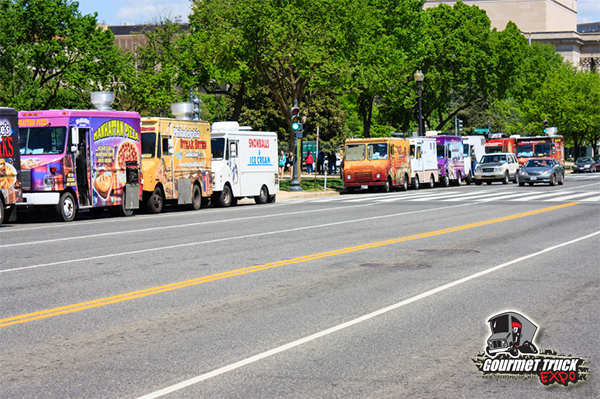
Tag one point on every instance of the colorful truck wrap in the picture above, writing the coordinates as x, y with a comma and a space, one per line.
10, 164
541, 147
376, 162
450, 157
498, 145
176, 162
81, 159
244, 164
423, 161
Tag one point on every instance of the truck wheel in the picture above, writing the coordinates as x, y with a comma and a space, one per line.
156, 201
469, 178
431, 181
458, 179
415, 183
386, 186
263, 196
1, 210
444, 181
516, 180
505, 179
226, 197
120, 210
196, 198
404, 185
66, 209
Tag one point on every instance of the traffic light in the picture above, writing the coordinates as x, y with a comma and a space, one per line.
296, 125
545, 125
195, 100
459, 124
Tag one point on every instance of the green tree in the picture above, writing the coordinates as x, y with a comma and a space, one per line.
51, 55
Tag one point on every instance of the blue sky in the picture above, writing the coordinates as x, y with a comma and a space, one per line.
118, 12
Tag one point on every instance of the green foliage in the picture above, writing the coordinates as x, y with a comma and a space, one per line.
308, 184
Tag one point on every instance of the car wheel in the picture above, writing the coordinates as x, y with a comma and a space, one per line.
531, 184
561, 179
521, 183
553, 180
155, 202
263, 196
489, 183
505, 179
431, 181
516, 179
478, 182
66, 209
415, 183
196, 198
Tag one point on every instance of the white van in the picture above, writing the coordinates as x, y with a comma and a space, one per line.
244, 164
474, 146
423, 162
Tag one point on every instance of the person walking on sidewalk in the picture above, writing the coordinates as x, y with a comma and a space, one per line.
309, 163
320, 161
281, 164
289, 163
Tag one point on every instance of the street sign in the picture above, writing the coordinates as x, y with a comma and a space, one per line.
478, 131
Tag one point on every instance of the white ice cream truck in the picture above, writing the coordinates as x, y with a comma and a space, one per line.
244, 164
423, 162
474, 149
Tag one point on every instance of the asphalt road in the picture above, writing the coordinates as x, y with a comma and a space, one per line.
362, 295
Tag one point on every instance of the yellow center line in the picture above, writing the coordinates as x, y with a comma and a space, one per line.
238, 272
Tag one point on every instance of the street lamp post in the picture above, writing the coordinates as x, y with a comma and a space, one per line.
419, 79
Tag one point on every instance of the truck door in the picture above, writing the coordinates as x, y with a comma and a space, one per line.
234, 166
82, 165
167, 162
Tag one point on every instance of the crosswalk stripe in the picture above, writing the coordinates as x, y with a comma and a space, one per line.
591, 199
504, 197
567, 197
418, 197
474, 197
539, 196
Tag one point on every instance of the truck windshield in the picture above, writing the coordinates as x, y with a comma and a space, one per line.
355, 152
217, 148
378, 151
148, 145
542, 150
441, 153
524, 150
500, 324
42, 140
493, 150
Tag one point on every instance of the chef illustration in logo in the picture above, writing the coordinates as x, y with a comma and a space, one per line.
511, 333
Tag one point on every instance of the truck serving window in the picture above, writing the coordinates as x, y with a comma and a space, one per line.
42, 140
378, 151
217, 148
148, 145
441, 153
355, 152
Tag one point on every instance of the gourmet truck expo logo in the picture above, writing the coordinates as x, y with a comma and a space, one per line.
510, 352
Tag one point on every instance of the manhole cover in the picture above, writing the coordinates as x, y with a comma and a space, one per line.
449, 251
395, 265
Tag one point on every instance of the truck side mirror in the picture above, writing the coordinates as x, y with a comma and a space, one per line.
74, 135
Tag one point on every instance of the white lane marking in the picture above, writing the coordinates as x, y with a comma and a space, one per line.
226, 239
568, 197
539, 196
350, 323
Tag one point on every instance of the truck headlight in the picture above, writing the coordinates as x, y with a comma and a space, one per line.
348, 177
48, 181
378, 176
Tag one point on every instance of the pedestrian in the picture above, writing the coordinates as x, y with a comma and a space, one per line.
309, 162
290, 164
282, 160
332, 161
320, 161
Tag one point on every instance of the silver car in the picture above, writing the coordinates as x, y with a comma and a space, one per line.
502, 166
542, 170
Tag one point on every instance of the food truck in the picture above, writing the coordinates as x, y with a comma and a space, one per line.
474, 149
511, 333
244, 164
541, 147
450, 159
423, 161
10, 164
176, 163
376, 162
500, 144
81, 159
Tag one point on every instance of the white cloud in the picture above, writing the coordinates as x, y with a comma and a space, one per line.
147, 11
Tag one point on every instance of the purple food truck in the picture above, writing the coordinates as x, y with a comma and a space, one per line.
81, 159
10, 166
450, 160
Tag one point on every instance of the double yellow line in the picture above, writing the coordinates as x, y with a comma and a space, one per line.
238, 272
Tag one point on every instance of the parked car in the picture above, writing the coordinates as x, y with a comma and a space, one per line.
585, 165
597, 163
542, 170
502, 166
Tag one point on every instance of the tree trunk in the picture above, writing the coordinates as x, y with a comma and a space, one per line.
365, 103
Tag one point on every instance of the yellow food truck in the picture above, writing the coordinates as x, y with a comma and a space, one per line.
176, 162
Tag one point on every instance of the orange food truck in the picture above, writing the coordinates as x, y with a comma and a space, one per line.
176, 162
541, 147
10, 164
382, 162
501, 144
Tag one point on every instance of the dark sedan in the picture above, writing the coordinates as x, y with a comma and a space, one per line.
584, 164
542, 170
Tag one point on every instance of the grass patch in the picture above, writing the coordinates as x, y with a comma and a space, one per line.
308, 184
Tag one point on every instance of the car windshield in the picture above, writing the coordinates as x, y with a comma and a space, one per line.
42, 140
584, 160
217, 148
148, 145
355, 152
493, 158
500, 324
377, 151
538, 163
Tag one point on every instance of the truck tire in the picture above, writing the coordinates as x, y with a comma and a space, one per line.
469, 178
386, 187
155, 201
431, 181
505, 179
66, 209
415, 183
120, 210
263, 196
444, 181
1, 210
404, 185
224, 199
458, 178
196, 198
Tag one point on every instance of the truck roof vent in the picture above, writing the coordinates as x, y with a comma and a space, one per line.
182, 111
102, 100
225, 126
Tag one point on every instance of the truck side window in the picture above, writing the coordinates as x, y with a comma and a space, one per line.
159, 149
165, 144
